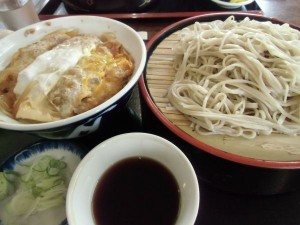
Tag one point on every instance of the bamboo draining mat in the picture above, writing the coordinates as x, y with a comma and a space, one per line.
160, 75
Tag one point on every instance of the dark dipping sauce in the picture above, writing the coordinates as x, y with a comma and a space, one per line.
136, 191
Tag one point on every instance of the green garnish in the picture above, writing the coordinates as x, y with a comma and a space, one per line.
41, 186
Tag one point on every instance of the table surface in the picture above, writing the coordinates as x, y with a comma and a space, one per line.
216, 205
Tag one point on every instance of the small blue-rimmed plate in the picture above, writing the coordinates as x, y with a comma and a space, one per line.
72, 155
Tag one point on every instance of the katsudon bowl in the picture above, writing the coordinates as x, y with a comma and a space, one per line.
266, 164
87, 121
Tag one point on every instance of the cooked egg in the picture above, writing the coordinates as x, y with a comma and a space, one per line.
47, 68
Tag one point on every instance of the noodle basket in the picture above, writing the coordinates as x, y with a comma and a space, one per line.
265, 164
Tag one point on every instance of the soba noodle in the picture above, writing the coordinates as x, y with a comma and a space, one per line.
238, 78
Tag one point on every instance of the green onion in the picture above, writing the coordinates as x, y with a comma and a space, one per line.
41, 186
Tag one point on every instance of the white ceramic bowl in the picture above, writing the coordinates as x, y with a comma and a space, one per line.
231, 5
107, 153
88, 121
